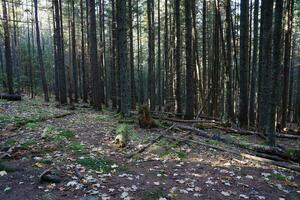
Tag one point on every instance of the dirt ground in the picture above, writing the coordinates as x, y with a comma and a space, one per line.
78, 149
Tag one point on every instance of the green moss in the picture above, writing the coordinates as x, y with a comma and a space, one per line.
57, 134
21, 121
181, 154
102, 164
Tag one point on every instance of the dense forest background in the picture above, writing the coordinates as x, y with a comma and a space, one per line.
238, 61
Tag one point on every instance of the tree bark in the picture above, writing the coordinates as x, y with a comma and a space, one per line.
96, 76
189, 108
40, 53
244, 63
8, 59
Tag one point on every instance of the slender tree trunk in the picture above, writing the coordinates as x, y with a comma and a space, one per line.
74, 64
83, 64
178, 57
204, 51
131, 57
189, 108
40, 53
8, 59
159, 85
113, 58
229, 109
244, 63
252, 115
151, 54
275, 72
287, 54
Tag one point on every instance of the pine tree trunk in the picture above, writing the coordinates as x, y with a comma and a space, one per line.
8, 59
131, 57
178, 57
189, 107
83, 64
266, 34
287, 55
244, 63
74, 64
252, 116
151, 54
95, 69
40, 54
122, 56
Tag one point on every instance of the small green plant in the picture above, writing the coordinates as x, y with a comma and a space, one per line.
28, 143
21, 121
181, 154
57, 134
10, 142
102, 164
279, 177
122, 129
103, 118
32, 125
77, 147
152, 194
48, 196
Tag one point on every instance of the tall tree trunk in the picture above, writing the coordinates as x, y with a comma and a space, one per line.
151, 54
83, 64
204, 51
96, 76
74, 64
159, 85
60, 55
122, 56
287, 54
131, 57
40, 53
229, 110
8, 59
244, 63
178, 56
189, 107
113, 58
265, 69
252, 115
275, 72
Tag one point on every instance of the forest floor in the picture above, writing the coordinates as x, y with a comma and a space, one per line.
77, 147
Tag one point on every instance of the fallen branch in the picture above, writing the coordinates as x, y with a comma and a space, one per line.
11, 97
257, 157
253, 147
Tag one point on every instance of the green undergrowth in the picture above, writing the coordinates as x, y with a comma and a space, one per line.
57, 134
165, 148
101, 164
129, 130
